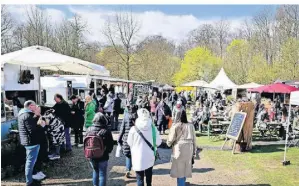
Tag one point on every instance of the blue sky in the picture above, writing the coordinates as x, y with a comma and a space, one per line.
200, 11
171, 21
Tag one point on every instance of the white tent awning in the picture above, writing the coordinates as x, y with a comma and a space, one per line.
46, 59
196, 83
221, 82
294, 99
248, 86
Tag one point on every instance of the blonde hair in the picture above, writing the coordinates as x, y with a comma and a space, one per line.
88, 99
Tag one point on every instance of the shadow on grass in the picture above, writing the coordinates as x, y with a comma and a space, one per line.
267, 148
194, 170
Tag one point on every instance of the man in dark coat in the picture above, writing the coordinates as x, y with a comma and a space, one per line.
63, 111
77, 111
162, 115
29, 137
16, 101
116, 112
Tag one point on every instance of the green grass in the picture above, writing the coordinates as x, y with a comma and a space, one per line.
204, 140
263, 165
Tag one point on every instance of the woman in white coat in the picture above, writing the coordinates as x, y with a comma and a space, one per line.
142, 154
182, 139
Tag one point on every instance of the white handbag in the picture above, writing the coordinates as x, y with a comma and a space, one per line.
118, 151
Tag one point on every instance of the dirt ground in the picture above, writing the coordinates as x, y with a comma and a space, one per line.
74, 169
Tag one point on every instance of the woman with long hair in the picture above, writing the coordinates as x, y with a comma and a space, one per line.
182, 139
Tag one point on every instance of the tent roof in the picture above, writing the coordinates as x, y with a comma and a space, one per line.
196, 83
46, 59
248, 86
221, 81
52, 81
275, 88
294, 99
167, 87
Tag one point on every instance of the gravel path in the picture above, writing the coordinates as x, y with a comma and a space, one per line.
74, 169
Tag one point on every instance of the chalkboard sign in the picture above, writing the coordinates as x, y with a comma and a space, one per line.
236, 125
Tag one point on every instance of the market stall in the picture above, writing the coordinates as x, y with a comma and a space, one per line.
276, 89
240, 91
21, 77
221, 82
198, 84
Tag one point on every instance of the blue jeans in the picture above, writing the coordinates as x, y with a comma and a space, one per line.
31, 157
99, 174
67, 138
128, 164
148, 176
181, 181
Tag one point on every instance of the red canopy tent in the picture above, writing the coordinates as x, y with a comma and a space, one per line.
275, 88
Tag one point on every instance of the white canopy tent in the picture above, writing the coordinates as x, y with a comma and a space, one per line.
248, 86
46, 59
221, 82
294, 100
196, 83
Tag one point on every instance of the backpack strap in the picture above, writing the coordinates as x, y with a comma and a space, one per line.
146, 141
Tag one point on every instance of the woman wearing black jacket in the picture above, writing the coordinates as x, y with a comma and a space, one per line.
128, 122
99, 166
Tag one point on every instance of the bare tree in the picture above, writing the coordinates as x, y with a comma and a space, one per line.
121, 33
265, 28
222, 29
203, 36
78, 27
6, 21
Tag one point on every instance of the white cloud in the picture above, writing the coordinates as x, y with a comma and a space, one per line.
19, 13
174, 27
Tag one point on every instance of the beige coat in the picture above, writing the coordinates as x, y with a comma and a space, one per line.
182, 138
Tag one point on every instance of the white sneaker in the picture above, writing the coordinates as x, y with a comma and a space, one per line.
80, 145
56, 157
41, 174
37, 177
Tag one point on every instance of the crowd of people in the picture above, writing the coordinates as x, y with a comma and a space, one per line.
140, 133
46, 136
275, 111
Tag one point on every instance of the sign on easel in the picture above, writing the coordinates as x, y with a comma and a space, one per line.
235, 128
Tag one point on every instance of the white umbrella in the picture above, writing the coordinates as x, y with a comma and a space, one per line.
248, 86
196, 83
46, 59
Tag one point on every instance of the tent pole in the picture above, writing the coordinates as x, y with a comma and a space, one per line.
287, 134
284, 98
95, 87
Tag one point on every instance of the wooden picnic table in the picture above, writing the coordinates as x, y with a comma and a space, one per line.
273, 127
220, 124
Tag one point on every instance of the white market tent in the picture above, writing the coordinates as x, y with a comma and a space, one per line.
46, 59
167, 87
196, 83
221, 82
248, 86
294, 100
